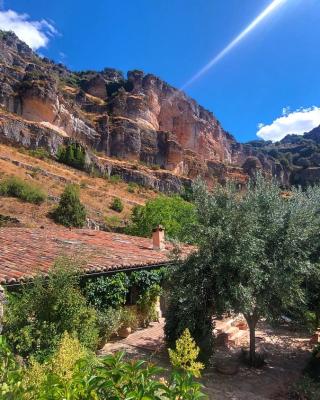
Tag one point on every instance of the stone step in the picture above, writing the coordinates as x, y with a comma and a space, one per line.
232, 330
236, 338
223, 325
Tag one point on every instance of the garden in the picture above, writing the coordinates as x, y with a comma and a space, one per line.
257, 256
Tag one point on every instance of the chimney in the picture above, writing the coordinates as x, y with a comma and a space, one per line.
158, 238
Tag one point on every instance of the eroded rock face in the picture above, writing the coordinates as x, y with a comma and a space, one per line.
140, 119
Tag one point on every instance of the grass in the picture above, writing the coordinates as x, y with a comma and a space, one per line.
16, 187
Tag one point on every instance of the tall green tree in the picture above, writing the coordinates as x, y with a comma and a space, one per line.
255, 248
175, 214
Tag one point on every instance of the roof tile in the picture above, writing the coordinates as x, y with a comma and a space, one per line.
26, 252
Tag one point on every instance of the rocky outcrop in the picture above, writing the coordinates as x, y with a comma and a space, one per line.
139, 119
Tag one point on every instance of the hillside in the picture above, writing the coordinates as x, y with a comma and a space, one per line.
298, 155
96, 193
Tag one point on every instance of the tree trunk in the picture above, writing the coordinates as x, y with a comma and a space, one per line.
317, 313
252, 320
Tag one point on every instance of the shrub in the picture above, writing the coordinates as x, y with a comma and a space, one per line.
107, 291
10, 373
113, 221
37, 317
109, 377
73, 154
115, 179
16, 187
129, 318
40, 153
70, 211
117, 205
132, 187
110, 321
68, 353
185, 355
175, 214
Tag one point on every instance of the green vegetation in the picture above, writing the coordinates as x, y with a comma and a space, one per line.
114, 222
70, 211
108, 295
26, 191
255, 253
132, 187
73, 373
107, 291
39, 152
295, 153
175, 214
115, 178
117, 205
73, 154
185, 355
37, 317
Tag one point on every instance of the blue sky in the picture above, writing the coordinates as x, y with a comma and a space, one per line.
272, 77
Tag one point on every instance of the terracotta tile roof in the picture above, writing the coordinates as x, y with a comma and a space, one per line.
26, 252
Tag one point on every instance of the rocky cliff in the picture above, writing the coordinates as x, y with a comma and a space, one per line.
164, 135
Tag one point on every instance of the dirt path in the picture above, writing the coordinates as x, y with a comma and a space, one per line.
287, 355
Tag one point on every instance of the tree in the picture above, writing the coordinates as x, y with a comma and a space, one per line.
175, 214
255, 249
73, 154
70, 211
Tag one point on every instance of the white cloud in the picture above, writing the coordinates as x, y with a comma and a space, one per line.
298, 122
35, 33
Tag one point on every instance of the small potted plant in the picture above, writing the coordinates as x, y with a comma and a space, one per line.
129, 322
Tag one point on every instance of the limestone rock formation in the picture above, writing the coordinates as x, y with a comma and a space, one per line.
139, 119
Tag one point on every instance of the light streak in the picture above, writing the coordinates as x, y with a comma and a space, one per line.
275, 4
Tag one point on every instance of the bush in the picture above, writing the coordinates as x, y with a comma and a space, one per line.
40, 153
68, 375
185, 355
16, 187
10, 373
73, 154
115, 179
117, 205
129, 318
37, 317
113, 221
175, 214
70, 212
132, 187
107, 291
110, 321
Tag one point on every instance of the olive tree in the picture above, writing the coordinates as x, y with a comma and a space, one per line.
255, 247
